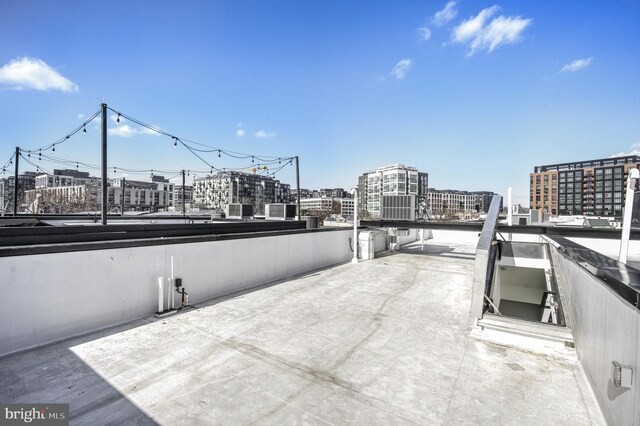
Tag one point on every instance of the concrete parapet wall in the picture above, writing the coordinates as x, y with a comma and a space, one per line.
59, 295
606, 328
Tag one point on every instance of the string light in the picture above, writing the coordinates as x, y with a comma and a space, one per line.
260, 162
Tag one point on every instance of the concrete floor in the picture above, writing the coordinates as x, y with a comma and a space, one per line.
381, 342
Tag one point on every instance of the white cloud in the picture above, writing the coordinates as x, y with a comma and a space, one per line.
263, 134
479, 34
124, 131
576, 65
32, 73
81, 116
401, 69
240, 133
472, 28
634, 149
425, 34
445, 15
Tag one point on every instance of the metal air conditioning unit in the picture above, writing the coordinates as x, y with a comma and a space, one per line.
240, 211
280, 211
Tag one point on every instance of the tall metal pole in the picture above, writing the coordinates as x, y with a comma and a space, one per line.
633, 176
124, 185
298, 185
15, 183
355, 225
104, 164
184, 208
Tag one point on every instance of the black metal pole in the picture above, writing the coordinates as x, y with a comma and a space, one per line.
104, 164
298, 184
184, 208
15, 183
124, 185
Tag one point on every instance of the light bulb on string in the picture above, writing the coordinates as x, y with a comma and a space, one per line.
118, 119
151, 174
54, 148
252, 159
84, 129
218, 153
175, 142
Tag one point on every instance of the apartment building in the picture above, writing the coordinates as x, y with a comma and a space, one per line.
395, 179
593, 187
224, 188
451, 201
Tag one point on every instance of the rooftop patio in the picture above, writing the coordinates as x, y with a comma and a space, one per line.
380, 342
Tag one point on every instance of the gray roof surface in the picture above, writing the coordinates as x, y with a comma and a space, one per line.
380, 342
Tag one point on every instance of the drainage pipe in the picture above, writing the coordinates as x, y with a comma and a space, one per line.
173, 295
160, 294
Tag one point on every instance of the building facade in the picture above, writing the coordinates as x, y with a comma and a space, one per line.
396, 179
450, 201
224, 188
26, 182
137, 195
67, 191
188, 195
592, 188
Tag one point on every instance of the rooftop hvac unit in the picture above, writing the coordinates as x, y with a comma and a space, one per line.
280, 211
240, 211
398, 207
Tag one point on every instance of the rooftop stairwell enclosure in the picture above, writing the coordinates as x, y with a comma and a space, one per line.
555, 295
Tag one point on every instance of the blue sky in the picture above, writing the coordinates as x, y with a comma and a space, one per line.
475, 93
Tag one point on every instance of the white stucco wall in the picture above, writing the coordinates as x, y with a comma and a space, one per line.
54, 296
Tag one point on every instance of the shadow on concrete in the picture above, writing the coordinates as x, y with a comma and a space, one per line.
437, 250
54, 374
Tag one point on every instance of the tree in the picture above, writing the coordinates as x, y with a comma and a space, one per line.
364, 215
322, 214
